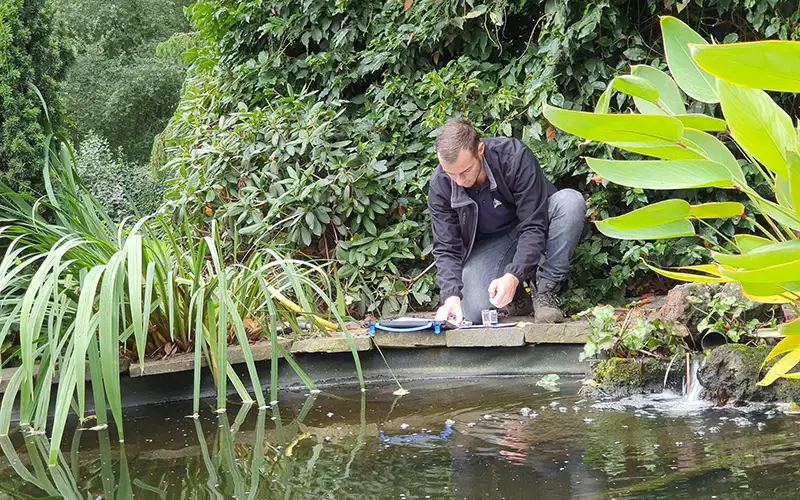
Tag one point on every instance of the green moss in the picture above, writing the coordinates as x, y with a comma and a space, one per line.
617, 372
753, 356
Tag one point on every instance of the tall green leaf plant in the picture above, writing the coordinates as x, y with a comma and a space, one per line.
687, 153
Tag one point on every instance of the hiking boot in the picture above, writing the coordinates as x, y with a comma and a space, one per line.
521, 304
545, 303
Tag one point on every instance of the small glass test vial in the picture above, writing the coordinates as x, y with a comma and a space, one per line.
489, 317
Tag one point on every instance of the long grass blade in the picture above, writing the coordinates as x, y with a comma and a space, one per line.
134, 258
77, 365
198, 299
109, 313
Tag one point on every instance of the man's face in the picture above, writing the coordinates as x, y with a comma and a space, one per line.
467, 169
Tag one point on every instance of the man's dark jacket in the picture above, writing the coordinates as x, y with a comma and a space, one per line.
515, 179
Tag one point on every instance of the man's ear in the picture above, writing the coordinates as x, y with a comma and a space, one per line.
481, 147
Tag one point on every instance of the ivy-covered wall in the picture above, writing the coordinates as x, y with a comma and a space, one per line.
313, 121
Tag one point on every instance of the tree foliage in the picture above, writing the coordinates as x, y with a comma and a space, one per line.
119, 87
318, 117
32, 54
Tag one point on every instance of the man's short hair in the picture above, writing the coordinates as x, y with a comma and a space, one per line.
454, 137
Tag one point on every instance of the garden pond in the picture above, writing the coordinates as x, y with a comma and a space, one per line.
488, 438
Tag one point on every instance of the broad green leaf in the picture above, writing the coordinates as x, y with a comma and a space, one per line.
791, 328
790, 343
651, 215
748, 242
667, 174
781, 367
687, 74
663, 150
636, 86
768, 65
782, 193
674, 229
717, 210
615, 127
782, 215
772, 274
793, 167
702, 122
711, 269
670, 98
762, 257
690, 277
604, 101
768, 293
713, 149
759, 125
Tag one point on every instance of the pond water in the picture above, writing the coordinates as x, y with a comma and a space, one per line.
490, 438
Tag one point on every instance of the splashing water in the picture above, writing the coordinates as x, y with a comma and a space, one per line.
695, 388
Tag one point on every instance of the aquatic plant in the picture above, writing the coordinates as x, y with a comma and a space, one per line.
79, 291
689, 157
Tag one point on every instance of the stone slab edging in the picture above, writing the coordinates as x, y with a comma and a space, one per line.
7, 373
523, 333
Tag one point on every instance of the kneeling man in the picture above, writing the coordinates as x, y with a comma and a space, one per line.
498, 222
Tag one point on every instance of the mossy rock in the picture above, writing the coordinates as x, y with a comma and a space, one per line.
731, 373
621, 377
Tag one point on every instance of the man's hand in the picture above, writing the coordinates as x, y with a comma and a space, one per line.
502, 290
451, 309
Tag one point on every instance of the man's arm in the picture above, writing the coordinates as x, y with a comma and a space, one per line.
448, 247
527, 184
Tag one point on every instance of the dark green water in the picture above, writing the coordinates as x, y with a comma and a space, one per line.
375, 445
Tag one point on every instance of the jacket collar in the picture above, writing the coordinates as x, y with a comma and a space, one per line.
459, 196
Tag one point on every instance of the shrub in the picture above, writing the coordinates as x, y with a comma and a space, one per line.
122, 188
321, 114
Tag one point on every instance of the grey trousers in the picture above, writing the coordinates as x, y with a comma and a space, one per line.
566, 213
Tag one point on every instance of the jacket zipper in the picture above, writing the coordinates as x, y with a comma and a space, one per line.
474, 229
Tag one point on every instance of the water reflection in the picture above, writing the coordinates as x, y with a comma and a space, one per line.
487, 439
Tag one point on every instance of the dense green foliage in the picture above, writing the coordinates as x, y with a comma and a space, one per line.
321, 114
119, 87
123, 188
31, 53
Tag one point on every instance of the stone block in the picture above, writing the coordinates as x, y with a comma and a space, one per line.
414, 339
331, 344
564, 333
261, 350
486, 337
